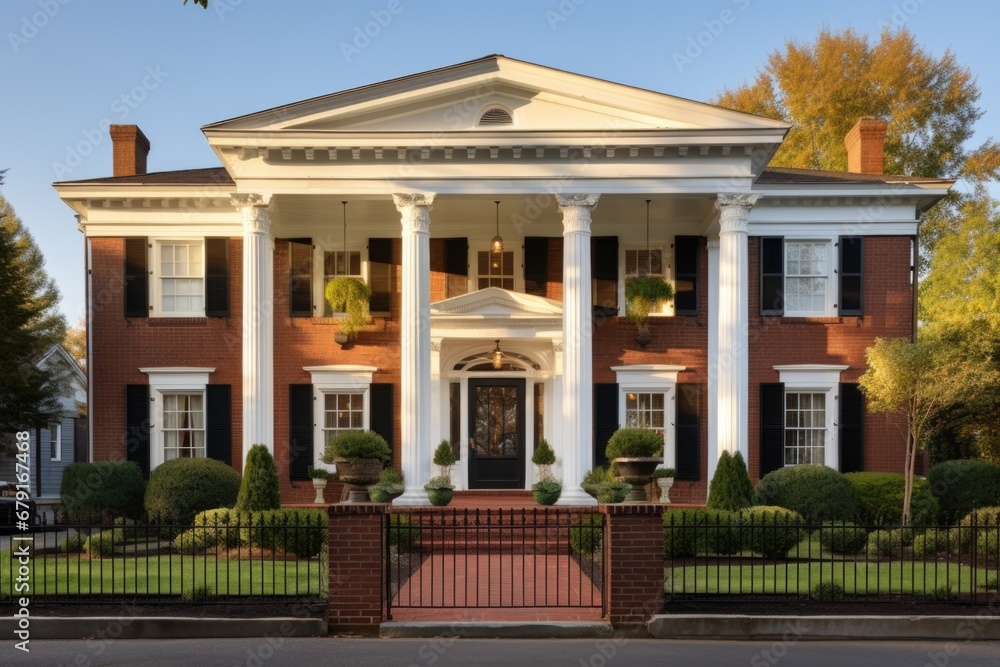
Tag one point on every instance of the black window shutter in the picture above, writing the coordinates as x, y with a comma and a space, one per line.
605, 419
300, 436
686, 252
380, 261
851, 431
536, 265
772, 426
217, 277
137, 425
219, 423
772, 275
688, 432
604, 273
300, 260
136, 278
851, 271
382, 411
456, 256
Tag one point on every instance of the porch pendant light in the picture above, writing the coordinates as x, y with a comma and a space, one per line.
496, 245
497, 356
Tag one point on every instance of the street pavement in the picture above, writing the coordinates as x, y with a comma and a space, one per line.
441, 652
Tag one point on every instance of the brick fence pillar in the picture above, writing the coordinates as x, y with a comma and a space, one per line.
634, 562
356, 567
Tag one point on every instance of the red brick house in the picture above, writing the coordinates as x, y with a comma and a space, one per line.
209, 331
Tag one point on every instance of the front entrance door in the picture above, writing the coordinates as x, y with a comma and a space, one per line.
496, 433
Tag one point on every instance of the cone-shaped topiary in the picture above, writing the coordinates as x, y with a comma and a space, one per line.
259, 489
444, 457
543, 457
731, 488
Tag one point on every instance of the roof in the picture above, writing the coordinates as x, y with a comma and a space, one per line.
770, 176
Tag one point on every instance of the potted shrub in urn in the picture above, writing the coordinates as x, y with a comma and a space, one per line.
359, 456
664, 477
440, 489
595, 479
547, 489
350, 296
643, 294
388, 487
635, 453
614, 492
319, 477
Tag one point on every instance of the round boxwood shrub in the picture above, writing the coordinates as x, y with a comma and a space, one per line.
357, 446
988, 545
818, 493
843, 537
102, 544
931, 541
71, 544
880, 499
884, 543
90, 492
972, 526
963, 485
827, 591
634, 442
297, 531
259, 489
586, 533
731, 487
180, 489
770, 530
403, 532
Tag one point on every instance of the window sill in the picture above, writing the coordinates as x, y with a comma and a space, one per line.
165, 321
791, 319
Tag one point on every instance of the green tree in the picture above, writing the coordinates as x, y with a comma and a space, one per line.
823, 87
30, 323
918, 380
731, 488
259, 488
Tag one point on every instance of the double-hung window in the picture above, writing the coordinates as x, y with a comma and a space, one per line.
496, 269
55, 441
183, 429
805, 427
645, 409
342, 411
807, 278
180, 278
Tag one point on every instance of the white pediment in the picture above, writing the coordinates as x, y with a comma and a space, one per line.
451, 99
494, 303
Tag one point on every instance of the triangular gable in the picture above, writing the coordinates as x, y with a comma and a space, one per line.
494, 302
451, 99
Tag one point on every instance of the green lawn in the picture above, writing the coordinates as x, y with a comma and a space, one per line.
68, 574
716, 576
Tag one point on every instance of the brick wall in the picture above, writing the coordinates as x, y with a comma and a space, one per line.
356, 567
634, 554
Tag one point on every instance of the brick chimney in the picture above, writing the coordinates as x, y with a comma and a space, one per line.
129, 150
865, 145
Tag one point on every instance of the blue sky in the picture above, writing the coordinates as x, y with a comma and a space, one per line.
68, 65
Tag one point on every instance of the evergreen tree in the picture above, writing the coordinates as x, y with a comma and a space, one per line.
259, 489
30, 323
731, 487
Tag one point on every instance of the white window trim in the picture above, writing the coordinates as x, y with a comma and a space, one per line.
832, 282
156, 293
336, 379
319, 275
58, 441
817, 378
653, 378
667, 257
171, 380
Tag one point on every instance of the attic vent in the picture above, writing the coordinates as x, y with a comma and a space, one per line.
495, 117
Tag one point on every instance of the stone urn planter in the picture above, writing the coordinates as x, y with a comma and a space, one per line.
362, 472
665, 484
637, 471
319, 485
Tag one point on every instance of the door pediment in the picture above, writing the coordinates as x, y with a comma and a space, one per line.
493, 308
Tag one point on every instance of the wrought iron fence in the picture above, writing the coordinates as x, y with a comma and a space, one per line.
717, 557
494, 558
235, 559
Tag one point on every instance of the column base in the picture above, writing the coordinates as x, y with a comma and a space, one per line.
576, 497
413, 496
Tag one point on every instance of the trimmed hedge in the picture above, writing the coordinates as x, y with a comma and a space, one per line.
402, 531
297, 531
731, 487
687, 533
818, 493
586, 533
771, 531
843, 537
880, 499
932, 541
634, 442
92, 491
962, 485
180, 489
972, 526
103, 544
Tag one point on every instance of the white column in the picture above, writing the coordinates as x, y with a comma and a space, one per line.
578, 358
713, 353
258, 326
734, 287
415, 344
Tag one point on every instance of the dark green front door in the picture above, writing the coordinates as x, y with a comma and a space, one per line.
496, 428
